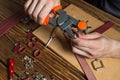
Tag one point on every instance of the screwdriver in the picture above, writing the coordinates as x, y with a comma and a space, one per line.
11, 68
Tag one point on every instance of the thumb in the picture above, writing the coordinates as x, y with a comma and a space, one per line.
51, 15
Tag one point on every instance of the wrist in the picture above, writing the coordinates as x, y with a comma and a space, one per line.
115, 51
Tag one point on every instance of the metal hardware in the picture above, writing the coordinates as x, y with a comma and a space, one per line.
19, 48
38, 77
97, 67
24, 76
28, 62
52, 36
52, 77
49, 41
29, 34
26, 20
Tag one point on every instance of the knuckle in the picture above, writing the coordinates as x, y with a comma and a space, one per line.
40, 16
40, 19
25, 6
34, 15
94, 55
29, 12
74, 49
50, 2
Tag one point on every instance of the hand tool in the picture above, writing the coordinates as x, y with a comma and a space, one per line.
11, 68
66, 22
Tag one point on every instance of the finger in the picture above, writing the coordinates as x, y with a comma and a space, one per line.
40, 5
27, 4
85, 43
80, 52
67, 35
82, 48
45, 11
32, 7
75, 32
90, 36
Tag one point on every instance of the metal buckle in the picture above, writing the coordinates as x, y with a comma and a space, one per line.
97, 67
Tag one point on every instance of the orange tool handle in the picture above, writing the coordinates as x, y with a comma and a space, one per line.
46, 21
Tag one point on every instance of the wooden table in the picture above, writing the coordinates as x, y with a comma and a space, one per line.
48, 62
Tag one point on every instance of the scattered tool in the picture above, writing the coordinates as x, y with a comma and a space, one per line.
11, 68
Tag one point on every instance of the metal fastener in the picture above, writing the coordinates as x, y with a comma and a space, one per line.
97, 67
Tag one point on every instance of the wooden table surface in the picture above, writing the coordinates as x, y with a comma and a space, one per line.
46, 64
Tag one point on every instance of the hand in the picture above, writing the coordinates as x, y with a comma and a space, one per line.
40, 9
95, 45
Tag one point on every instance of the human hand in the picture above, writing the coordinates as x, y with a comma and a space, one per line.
95, 45
40, 9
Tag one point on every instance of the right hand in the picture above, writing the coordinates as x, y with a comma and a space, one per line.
38, 10
95, 45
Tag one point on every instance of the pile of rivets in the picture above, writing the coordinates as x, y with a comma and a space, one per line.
28, 62
24, 76
38, 77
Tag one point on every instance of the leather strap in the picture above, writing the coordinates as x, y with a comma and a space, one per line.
11, 22
82, 61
